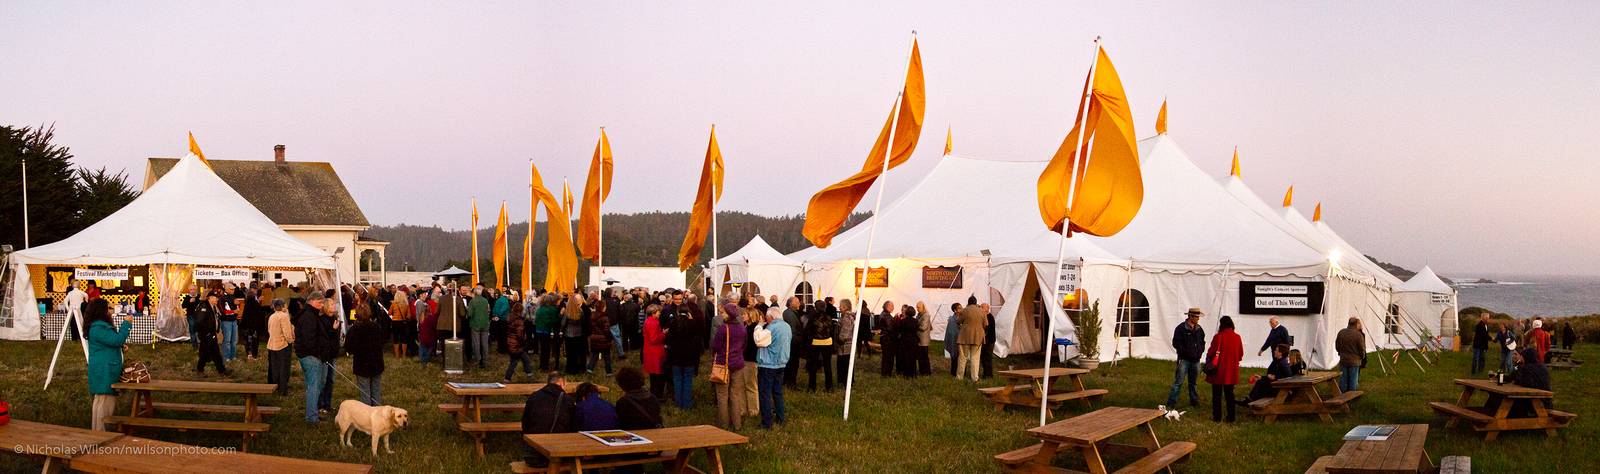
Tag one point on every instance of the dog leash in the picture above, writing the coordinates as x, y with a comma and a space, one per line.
347, 378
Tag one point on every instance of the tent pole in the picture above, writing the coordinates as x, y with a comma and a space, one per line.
60, 338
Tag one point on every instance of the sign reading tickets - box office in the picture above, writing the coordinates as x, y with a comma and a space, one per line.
234, 274
877, 277
942, 277
1280, 297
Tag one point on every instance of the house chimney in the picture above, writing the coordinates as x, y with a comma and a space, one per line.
277, 154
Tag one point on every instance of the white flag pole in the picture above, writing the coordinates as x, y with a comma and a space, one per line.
600, 209
872, 234
1061, 252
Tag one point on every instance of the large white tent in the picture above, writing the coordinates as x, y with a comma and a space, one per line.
1191, 245
772, 272
189, 218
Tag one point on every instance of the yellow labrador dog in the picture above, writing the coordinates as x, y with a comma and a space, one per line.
376, 422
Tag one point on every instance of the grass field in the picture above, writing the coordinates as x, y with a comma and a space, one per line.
930, 424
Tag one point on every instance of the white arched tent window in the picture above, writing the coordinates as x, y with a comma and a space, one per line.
805, 292
1133, 314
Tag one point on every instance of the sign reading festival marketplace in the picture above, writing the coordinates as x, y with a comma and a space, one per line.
100, 274
235, 274
1280, 297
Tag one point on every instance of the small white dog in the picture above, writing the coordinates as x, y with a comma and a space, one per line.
1172, 415
376, 422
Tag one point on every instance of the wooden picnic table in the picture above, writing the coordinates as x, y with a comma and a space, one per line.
1403, 452
1089, 434
1299, 395
469, 413
1561, 359
141, 413
55, 443
1025, 387
676, 442
1495, 415
139, 455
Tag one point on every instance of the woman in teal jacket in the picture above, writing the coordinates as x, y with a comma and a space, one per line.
105, 359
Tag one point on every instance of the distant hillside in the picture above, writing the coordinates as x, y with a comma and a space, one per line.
646, 239
1403, 273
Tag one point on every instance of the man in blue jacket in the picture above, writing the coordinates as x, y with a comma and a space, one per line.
1278, 335
770, 363
1189, 340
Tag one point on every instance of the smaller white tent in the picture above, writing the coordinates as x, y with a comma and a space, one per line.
188, 218
772, 272
1431, 302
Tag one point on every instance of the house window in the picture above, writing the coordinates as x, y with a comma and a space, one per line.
371, 261
1133, 314
804, 292
1391, 321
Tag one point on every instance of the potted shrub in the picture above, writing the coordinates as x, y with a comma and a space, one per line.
1088, 323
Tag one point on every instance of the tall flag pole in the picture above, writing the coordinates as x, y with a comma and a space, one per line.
474, 231
830, 207
527, 243
704, 213
1092, 184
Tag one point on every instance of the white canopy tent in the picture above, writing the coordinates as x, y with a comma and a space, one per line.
1431, 302
1191, 245
188, 218
772, 272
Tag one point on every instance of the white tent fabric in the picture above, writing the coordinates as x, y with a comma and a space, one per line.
757, 262
189, 217
1431, 302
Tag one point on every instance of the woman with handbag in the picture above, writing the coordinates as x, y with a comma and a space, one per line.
1222, 368
105, 359
600, 339
727, 364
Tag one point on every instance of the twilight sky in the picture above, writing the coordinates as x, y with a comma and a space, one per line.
1461, 136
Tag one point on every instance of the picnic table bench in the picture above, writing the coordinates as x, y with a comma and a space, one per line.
1562, 359
575, 451
1403, 452
1025, 387
55, 444
469, 413
141, 413
1089, 434
1495, 415
1299, 396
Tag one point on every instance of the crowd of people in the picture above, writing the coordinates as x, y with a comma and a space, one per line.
1526, 333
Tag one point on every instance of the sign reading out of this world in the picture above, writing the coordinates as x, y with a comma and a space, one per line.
222, 273
1280, 297
1067, 282
101, 274
877, 277
942, 277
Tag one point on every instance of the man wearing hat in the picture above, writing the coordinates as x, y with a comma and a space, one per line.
1189, 339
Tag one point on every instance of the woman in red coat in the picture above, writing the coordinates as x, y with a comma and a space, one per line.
655, 352
1225, 352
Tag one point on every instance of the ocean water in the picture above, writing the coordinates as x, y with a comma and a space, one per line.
1528, 295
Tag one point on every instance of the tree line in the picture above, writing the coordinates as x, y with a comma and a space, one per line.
63, 198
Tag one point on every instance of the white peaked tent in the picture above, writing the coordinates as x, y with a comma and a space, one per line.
1191, 245
1431, 302
188, 218
757, 262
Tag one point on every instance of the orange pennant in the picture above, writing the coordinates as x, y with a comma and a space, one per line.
705, 202
1108, 190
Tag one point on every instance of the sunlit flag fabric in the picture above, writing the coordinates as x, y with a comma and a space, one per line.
1161, 119
1108, 188
194, 147
705, 202
566, 198
474, 232
1316, 215
1288, 196
1235, 171
829, 208
561, 263
595, 192
498, 253
949, 140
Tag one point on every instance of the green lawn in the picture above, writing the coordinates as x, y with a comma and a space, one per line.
931, 424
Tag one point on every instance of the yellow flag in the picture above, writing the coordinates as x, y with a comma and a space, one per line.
561, 263
595, 191
949, 140
1235, 171
1317, 214
194, 147
829, 208
705, 202
566, 198
1108, 190
474, 232
1161, 119
1288, 197
527, 261
498, 253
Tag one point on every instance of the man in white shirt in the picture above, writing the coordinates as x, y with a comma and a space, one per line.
75, 300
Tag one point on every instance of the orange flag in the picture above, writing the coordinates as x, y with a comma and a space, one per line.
1161, 119
595, 192
1235, 171
194, 147
829, 208
474, 232
566, 198
1317, 214
949, 140
1288, 197
527, 261
705, 203
1108, 189
498, 253
561, 263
